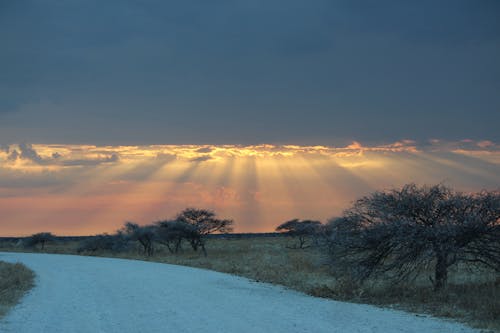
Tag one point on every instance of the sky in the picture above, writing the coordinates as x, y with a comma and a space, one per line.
262, 110
85, 189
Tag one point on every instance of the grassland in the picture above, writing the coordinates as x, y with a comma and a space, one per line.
15, 280
472, 297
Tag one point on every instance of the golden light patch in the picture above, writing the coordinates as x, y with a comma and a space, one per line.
81, 189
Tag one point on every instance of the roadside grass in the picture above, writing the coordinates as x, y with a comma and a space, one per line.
15, 280
472, 297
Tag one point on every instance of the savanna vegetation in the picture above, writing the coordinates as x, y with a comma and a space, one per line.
425, 249
15, 280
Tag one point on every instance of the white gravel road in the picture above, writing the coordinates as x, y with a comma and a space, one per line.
89, 295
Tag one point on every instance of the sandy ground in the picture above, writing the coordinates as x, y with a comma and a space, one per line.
87, 294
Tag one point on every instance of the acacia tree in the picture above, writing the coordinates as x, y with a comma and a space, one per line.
145, 235
40, 238
171, 233
202, 222
300, 229
402, 232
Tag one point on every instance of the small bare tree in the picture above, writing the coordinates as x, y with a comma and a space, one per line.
145, 235
402, 232
203, 222
39, 238
300, 229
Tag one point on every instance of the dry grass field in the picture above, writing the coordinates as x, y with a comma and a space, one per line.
471, 296
15, 280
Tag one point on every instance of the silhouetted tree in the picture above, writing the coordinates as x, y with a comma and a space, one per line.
171, 233
203, 222
402, 232
300, 229
104, 242
145, 235
39, 238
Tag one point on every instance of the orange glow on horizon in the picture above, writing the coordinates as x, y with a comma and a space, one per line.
84, 189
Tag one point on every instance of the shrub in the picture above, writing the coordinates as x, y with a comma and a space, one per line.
104, 242
15, 280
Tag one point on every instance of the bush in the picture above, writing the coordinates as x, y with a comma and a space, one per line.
15, 280
113, 243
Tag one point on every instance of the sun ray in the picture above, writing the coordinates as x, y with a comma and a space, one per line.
88, 189
320, 193
90, 184
273, 190
136, 195
244, 188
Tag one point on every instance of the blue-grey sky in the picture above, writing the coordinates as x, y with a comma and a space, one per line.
247, 72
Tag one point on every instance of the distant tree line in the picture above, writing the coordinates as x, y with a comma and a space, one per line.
191, 226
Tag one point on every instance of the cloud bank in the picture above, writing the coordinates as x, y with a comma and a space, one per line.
248, 72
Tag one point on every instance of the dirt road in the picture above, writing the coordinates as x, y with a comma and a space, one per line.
88, 294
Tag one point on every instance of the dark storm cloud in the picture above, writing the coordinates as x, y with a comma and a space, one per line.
127, 72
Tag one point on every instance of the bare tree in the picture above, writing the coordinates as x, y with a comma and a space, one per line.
300, 229
145, 235
403, 232
203, 222
39, 238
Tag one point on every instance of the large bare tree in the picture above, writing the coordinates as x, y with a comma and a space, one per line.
403, 232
